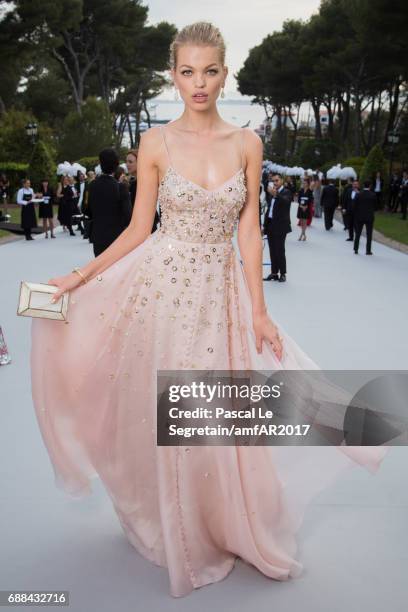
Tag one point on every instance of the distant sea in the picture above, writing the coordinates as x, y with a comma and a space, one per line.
236, 112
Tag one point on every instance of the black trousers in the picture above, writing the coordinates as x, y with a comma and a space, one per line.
358, 228
350, 224
404, 202
394, 201
328, 216
276, 242
99, 247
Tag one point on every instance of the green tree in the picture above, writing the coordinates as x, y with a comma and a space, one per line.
273, 74
85, 134
47, 94
15, 145
93, 42
375, 162
313, 153
15, 55
42, 165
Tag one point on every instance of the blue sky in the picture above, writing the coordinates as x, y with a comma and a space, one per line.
243, 23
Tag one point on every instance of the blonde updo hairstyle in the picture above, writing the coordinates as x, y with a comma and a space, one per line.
200, 33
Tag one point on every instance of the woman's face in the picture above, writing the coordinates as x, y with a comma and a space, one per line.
131, 163
65, 181
199, 71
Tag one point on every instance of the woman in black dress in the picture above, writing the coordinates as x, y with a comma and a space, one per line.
65, 206
46, 212
305, 201
25, 196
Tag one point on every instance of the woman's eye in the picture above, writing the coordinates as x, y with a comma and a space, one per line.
213, 70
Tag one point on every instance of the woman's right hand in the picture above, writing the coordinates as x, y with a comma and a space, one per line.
64, 283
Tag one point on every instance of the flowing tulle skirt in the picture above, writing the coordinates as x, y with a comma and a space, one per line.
171, 304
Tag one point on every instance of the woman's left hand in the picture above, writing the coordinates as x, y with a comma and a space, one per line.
265, 329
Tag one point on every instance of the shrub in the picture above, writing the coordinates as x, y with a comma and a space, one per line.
374, 162
42, 165
88, 162
15, 172
14, 142
355, 162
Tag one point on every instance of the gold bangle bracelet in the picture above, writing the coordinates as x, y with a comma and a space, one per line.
78, 271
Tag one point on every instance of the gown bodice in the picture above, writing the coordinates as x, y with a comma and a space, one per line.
192, 213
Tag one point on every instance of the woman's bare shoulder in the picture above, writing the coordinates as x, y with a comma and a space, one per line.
151, 136
253, 146
149, 146
251, 137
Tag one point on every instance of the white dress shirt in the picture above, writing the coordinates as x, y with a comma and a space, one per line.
22, 192
270, 215
81, 194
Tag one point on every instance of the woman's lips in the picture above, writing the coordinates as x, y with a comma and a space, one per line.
200, 97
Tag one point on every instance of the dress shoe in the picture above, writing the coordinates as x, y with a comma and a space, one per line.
369, 253
72, 233
349, 239
355, 252
282, 278
272, 277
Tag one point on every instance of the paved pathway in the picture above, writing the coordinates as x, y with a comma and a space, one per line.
347, 312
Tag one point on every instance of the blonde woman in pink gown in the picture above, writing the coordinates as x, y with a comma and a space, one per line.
180, 299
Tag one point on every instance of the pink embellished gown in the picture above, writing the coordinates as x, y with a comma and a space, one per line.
177, 301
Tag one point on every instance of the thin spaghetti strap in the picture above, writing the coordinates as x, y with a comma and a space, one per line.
165, 144
242, 147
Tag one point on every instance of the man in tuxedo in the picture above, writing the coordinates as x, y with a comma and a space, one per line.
329, 202
395, 185
404, 195
378, 183
277, 225
347, 189
363, 210
349, 195
108, 203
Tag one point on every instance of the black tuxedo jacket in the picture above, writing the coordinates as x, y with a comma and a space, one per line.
346, 196
364, 205
280, 222
330, 196
374, 182
348, 200
108, 207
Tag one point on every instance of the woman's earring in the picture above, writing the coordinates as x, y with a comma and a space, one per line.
222, 93
176, 96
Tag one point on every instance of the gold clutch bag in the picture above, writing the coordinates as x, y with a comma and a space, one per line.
35, 301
